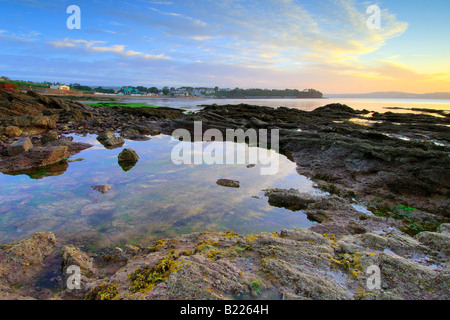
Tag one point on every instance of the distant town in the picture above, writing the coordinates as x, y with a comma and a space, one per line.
77, 89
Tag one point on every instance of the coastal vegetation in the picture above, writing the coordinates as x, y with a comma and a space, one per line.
122, 104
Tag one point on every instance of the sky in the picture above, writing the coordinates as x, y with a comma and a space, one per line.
275, 44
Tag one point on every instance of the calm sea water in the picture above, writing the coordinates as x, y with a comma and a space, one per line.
154, 199
378, 105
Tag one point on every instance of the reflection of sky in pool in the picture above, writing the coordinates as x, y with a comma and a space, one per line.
154, 199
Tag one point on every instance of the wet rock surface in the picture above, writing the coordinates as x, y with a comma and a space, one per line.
291, 264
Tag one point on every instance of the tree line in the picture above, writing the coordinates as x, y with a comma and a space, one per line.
242, 93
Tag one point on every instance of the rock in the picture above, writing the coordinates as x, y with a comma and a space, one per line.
128, 159
50, 136
303, 235
106, 135
101, 188
115, 142
73, 256
228, 183
291, 199
20, 146
335, 109
128, 155
21, 262
12, 131
131, 250
319, 215
45, 156
445, 228
307, 285
258, 123
436, 241
37, 157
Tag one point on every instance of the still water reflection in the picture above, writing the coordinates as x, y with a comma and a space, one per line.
156, 198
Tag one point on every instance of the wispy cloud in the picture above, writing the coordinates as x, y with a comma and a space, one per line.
93, 46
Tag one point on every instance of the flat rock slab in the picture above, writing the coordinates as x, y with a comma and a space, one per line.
36, 157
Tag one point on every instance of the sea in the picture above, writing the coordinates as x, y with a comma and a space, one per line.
374, 105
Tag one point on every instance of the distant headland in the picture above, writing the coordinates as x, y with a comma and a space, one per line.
393, 95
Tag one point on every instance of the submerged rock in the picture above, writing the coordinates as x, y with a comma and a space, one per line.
228, 183
100, 207
101, 188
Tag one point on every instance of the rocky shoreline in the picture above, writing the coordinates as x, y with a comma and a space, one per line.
396, 164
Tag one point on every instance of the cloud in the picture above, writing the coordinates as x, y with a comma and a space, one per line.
92, 46
268, 43
398, 71
295, 33
173, 14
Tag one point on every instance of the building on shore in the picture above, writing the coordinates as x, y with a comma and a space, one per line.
59, 87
